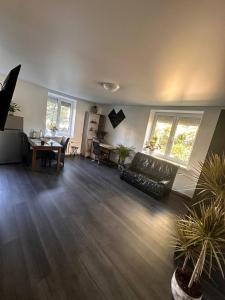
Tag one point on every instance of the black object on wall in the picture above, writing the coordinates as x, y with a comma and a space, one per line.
116, 118
6, 94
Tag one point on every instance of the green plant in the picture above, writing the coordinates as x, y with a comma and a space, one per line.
200, 238
14, 107
53, 127
123, 152
211, 178
153, 144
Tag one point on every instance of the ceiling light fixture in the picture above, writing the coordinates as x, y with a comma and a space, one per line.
109, 86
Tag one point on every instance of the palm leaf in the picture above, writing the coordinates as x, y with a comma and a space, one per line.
201, 238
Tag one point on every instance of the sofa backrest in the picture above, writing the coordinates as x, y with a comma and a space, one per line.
153, 167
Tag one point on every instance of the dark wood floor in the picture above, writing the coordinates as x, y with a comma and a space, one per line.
83, 234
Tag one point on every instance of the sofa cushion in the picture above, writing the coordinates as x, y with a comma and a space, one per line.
154, 168
144, 183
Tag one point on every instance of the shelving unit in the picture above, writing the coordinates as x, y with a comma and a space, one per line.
90, 130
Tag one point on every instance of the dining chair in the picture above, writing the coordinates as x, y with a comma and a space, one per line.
54, 154
96, 150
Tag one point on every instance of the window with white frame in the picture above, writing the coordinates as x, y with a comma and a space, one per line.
173, 135
59, 116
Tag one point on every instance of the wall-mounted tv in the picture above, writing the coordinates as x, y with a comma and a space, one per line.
6, 94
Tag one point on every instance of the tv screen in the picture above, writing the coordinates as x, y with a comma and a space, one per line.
6, 94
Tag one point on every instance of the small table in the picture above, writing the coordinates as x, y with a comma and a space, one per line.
48, 146
107, 148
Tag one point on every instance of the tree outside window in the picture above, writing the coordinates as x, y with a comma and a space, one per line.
173, 136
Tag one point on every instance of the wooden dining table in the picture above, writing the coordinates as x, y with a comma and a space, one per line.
49, 145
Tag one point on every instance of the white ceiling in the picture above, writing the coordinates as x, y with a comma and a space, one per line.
162, 52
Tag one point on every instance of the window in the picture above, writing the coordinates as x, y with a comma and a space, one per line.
59, 116
173, 135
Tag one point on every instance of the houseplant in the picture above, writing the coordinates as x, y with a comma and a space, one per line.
14, 107
53, 129
152, 144
200, 239
211, 178
123, 152
200, 235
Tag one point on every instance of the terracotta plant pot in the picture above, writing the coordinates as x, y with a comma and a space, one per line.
178, 292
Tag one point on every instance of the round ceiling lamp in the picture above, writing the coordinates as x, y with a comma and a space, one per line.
110, 86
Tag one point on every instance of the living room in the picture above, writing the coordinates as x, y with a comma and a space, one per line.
111, 145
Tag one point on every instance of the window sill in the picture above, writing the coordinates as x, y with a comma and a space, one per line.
53, 137
183, 167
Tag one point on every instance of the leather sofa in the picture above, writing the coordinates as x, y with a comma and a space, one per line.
151, 175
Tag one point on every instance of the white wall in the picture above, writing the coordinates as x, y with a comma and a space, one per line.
132, 130
33, 101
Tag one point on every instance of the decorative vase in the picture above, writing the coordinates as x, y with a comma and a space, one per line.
178, 292
53, 133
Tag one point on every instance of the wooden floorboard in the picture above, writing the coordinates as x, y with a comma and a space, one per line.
83, 234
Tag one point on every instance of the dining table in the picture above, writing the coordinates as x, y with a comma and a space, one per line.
45, 145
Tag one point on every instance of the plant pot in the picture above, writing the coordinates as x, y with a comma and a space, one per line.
121, 167
178, 292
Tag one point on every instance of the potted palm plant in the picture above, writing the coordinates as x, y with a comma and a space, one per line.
123, 152
211, 178
200, 235
200, 239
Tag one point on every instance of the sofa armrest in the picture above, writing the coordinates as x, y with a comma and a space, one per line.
165, 182
127, 166
123, 167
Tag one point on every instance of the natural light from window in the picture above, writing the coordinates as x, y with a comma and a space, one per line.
173, 135
59, 116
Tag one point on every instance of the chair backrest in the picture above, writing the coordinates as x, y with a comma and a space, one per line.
25, 143
64, 142
96, 147
25, 147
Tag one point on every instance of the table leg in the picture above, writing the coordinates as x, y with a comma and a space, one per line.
58, 160
34, 156
108, 156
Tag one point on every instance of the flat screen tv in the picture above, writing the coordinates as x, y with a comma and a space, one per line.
6, 94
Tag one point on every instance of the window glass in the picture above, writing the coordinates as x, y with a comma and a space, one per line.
64, 119
161, 134
184, 138
173, 136
52, 112
59, 116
